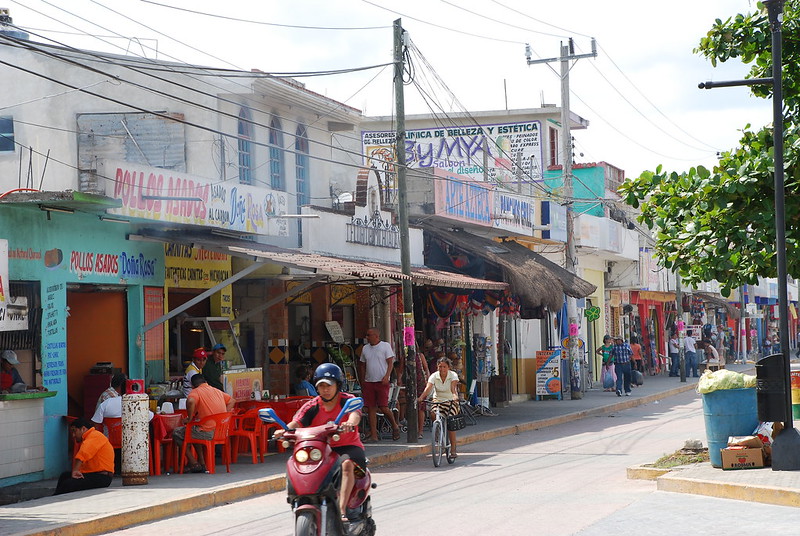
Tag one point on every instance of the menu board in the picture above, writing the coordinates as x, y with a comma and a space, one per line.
548, 372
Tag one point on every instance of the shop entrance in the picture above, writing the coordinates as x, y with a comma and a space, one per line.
97, 331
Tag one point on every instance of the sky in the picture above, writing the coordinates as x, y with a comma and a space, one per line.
639, 94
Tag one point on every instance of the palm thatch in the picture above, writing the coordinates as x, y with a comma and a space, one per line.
538, 281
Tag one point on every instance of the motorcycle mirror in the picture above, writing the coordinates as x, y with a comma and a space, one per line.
350, 405
269, 415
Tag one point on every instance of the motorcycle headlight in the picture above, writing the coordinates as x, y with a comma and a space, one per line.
336, 437
301, 456
316, 455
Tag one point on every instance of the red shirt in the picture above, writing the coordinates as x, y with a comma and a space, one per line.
323, 416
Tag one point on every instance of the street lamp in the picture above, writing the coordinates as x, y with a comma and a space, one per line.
786, 447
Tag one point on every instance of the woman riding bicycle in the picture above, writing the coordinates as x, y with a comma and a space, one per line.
444, 384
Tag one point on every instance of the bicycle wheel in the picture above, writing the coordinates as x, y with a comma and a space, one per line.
437, 442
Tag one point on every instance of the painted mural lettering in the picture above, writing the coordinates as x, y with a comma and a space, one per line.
178, 250
136, 265
81, 262
106, 264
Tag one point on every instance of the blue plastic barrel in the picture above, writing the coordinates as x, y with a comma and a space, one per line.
728, 412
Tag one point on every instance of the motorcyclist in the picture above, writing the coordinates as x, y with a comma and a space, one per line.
324, 408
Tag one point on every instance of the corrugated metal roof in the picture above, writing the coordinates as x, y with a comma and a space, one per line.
336, 268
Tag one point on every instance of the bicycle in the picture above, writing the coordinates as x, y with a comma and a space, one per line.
440, 440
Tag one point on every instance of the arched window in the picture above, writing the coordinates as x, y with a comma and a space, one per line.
301, 166
245, 147
276, 168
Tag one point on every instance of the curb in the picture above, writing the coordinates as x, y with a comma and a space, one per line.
645, 472
740, 492
249, 488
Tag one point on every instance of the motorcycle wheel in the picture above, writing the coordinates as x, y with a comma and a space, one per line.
437, 442
305, 524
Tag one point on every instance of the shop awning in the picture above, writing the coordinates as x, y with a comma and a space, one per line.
335, 269
537, 280
718, 301
656, 296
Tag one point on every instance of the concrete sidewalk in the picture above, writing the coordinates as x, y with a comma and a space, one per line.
98, 511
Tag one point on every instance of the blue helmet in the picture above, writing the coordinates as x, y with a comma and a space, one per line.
329, 373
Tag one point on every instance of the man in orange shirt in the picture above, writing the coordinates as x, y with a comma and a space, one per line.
93, 466
203, 401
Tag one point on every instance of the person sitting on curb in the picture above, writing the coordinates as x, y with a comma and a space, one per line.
93, 466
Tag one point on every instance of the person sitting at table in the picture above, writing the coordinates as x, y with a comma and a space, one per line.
303, 374
202, 401
10, 380
114, 390
93, 466
199, 358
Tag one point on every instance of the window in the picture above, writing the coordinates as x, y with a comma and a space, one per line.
6, 134
245, 147
553, 147
276, 178
301, 165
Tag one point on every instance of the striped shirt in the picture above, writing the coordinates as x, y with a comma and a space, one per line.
621, 353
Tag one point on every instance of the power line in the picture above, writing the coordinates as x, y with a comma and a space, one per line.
262, 23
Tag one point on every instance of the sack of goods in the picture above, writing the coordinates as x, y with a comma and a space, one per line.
637, 377
456, 422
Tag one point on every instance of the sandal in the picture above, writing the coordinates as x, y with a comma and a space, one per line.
396, 434
197, 468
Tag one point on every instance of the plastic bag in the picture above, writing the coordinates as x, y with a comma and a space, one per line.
718, 380
608, 377
637, 378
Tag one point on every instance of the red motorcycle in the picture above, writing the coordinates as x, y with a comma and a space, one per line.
313, 478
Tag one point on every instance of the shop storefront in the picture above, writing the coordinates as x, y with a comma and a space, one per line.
87, 288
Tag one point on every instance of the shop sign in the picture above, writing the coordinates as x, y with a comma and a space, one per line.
373, 231
188, 267
513, 213
242, 384
460, 149
460, 198
171, 196
548, 372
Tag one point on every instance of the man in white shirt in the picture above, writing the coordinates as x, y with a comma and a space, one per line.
375, 368
690, 355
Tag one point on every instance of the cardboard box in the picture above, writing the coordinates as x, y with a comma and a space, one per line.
742, 458
752, 442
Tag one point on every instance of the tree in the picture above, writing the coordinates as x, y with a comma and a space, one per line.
720, 224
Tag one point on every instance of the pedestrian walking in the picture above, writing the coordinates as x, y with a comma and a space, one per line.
674, 354
621, 353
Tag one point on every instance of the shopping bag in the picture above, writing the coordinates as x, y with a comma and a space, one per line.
637, 377
608, 377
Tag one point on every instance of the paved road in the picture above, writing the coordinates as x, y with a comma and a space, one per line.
567, 479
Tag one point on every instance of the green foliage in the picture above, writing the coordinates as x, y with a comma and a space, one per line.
720, 224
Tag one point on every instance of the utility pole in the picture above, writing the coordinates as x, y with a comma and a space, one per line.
681, 325
576, 364
405, 255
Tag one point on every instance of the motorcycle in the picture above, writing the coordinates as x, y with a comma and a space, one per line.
313, 478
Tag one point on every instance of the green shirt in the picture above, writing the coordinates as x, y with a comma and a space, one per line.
212, 372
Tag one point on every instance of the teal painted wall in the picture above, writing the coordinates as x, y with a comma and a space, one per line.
589, 183
76, 248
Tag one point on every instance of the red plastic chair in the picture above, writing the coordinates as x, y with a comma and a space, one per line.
114, 427
248, 426
168, 423
222, 424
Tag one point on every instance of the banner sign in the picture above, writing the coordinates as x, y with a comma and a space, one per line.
171, 196
461, 150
